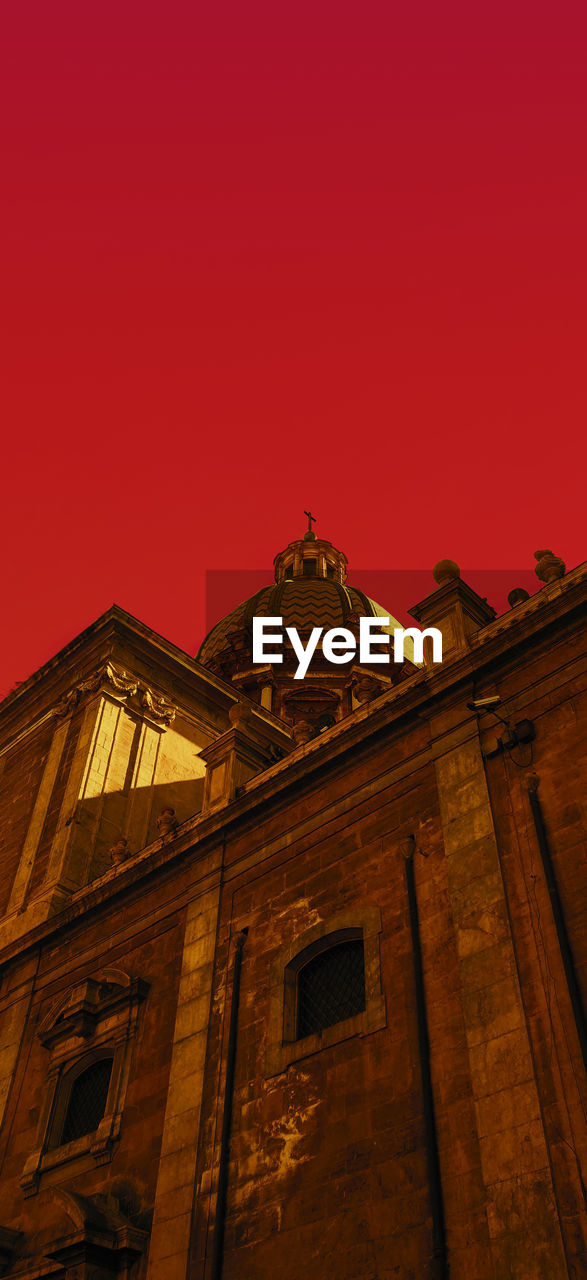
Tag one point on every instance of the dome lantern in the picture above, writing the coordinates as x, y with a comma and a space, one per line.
310, 558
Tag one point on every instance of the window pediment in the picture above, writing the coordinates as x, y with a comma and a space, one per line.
79, 1011
95, 1020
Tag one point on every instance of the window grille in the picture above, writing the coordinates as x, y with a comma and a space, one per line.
87, 1101
331, 987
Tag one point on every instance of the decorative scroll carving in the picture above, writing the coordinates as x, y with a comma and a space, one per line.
157, 708
80, 1009
107, 677
139, 697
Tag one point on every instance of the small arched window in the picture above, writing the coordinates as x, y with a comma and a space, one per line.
325, 986
87, 1101
331, 987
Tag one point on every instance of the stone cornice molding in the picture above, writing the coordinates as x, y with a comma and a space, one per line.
202, 696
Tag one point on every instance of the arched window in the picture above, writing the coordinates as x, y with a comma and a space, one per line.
325, 986
87, 1101
331, 987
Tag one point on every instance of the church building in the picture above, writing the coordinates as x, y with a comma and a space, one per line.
293, 972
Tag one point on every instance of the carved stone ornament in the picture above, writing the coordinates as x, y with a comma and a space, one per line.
121, 685
167, 821
366, 688
119, 851
518, 595
96, 1018
445, 571
84, 1006
107, 677
302, 731
549, 566
239, 715
157, 708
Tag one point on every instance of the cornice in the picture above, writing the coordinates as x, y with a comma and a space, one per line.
23, 710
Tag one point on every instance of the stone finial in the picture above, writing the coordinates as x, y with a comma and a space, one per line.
445, 571
366, 688
549, 566
302, 732
518, 595
166, 821
119, 851
239, 714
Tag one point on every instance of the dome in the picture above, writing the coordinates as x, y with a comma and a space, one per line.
301, 602
309, 591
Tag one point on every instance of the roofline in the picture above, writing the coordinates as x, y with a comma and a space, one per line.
117, 621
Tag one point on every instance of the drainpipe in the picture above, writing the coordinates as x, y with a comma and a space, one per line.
220, 1219
532, 783
441, 1268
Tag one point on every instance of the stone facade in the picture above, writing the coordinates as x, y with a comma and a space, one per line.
152, 811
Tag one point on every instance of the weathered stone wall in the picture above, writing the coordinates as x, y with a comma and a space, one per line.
145, 939
328, 1174
550, 689
328, 1171
319, 1151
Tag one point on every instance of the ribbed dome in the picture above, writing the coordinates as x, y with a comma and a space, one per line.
309, 591
303, 602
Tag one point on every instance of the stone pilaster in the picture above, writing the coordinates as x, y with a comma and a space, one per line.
454, 608
140, 797
14, 1009
94, 757
35, 828
170, 1237
520, 1203
236, 756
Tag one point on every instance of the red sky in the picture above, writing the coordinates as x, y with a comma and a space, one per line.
260, 256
